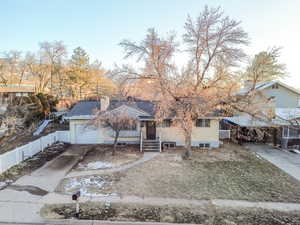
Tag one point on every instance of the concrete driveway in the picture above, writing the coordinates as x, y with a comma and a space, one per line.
287, 161
22, 200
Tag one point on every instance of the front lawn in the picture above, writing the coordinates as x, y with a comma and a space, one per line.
100, 157
230, 172
227, 173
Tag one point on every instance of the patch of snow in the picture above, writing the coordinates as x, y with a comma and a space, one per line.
96, 165
84, 185
258, 156
295, 151
178, 158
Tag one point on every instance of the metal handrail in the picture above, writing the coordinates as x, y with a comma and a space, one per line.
141, 141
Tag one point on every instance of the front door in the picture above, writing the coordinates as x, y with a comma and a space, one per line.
150, 130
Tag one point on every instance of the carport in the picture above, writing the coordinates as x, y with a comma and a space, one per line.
245, 128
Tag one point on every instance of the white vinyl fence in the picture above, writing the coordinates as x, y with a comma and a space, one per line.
19, 154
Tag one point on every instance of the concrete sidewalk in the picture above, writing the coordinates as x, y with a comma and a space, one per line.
55, 198
29, 211
92, 222
287, 161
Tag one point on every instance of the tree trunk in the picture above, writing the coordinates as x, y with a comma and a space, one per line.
115, 143
188, 149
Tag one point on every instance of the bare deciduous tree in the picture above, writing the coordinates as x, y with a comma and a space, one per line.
116, 120
53, 54
265, 67
214, 43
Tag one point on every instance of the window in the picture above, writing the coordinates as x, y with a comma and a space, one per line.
275, 86
167, 145
204, 145
203, 123
166, 123
129, 126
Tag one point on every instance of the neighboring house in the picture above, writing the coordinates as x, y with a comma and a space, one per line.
147, 132
8, 92
282, 95
284, 103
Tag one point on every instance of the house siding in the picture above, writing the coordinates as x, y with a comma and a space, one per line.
103, 135
199, 134
285, 98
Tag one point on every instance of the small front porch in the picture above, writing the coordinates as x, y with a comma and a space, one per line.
149, 139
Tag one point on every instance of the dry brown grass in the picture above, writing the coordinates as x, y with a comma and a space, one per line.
103, 153
230, 173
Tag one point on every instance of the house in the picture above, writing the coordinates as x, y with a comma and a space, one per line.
8, 92
283, 102
282, 95
147, 132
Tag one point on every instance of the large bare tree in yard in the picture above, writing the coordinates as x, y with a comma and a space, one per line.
213, 43
116, 120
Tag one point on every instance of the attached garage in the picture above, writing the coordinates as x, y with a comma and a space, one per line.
86, 135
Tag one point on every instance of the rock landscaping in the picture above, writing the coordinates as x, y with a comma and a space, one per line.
172, 214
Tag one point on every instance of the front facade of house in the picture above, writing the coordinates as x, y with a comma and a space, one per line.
205, 133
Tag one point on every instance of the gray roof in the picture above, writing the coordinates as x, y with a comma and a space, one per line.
145, 106
84, 108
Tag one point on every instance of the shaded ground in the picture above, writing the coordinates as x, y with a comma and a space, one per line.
30, 189
228, 173
207, 214
100, 157
33, 163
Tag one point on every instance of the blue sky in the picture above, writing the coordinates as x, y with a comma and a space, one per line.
98, 26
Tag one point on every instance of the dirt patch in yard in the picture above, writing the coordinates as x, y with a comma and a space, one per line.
172, 214
33, 163
233, 173
100, 157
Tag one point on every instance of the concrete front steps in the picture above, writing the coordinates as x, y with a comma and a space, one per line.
151, 146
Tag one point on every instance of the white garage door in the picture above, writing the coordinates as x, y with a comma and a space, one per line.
87, 135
